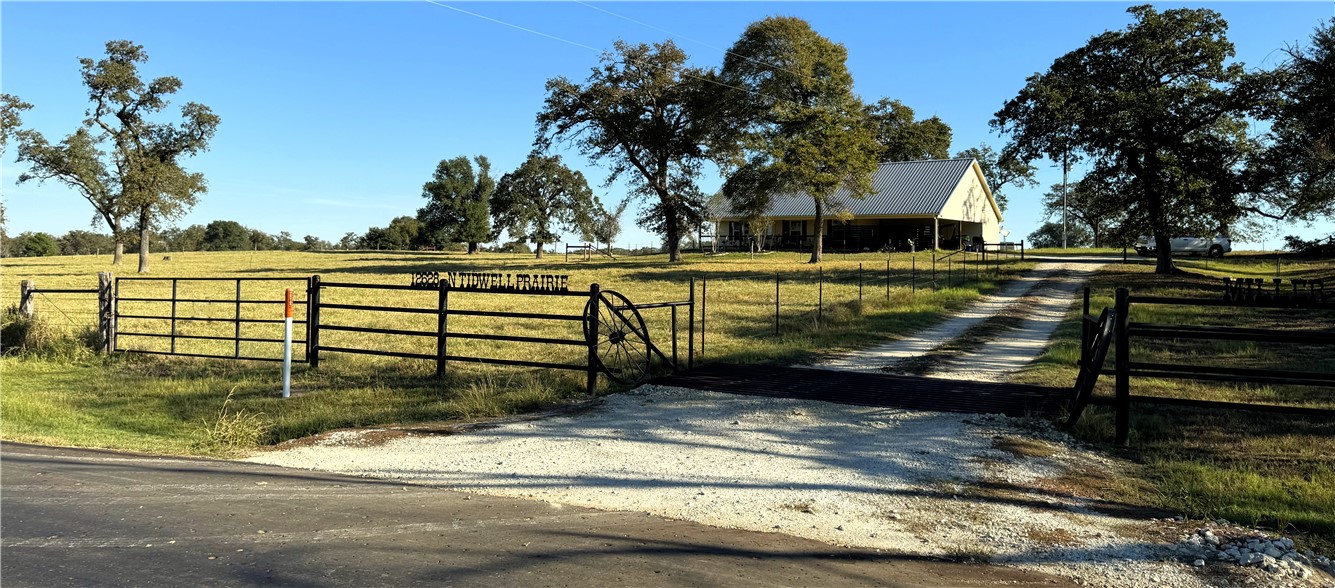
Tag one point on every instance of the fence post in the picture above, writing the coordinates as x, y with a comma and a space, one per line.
1021, 249
591, 385
950, 269
913, 274
820, 299
1122, 400
690, 329
933, 269
173, 326
313, 322
676, 365
442, 326
704, 307
26, 290
859, 287
887, 279
237, 322
105, 317
776, 304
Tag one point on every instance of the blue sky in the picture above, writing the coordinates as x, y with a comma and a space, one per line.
334, 114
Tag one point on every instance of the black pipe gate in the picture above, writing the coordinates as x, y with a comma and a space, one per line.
170, 317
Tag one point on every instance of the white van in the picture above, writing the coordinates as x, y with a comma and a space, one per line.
1216, 246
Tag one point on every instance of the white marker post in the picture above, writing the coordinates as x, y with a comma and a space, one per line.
287, 344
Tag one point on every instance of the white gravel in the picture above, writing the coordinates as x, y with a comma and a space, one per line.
1042, 296
910, 482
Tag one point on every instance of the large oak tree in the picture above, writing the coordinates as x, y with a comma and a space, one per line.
644, 112
1158, 102
803, 130
126, 164
458, 208
540, 198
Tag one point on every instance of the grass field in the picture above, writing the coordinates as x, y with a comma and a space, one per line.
1258, 469
175, 405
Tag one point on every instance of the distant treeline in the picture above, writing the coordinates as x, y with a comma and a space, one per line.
216, 236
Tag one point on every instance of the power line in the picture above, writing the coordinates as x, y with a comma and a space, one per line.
697, 41
630, 60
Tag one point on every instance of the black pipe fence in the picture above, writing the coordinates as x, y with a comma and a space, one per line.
832, 288
1124, 332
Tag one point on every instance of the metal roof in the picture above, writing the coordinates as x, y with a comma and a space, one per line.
899, 188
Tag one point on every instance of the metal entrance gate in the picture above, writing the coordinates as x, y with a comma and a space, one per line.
227, 318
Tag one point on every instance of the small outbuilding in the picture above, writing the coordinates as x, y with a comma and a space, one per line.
941, 203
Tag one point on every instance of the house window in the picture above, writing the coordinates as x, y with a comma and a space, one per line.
737, 229
794, 228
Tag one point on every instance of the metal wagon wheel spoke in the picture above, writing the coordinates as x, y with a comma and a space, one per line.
619, 338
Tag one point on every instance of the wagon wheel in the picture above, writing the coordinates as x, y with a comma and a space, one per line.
621, 345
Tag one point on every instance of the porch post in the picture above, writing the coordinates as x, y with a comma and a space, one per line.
936, 233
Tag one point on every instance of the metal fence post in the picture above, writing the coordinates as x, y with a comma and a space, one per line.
859, 286
173, 327
820, 299
313, 322
776, 304
1122, 400
913, 275
105, 316
690, 328
887, 279
236, 323
676, 365
26, 290
591, 385
704, 305
442, 326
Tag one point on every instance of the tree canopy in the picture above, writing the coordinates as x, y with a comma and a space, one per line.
648, 116
802, 129
1156, 102
225, 235
458, 208
1297, 173
904, 139
540, 198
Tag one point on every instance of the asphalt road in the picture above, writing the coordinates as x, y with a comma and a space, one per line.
74, 517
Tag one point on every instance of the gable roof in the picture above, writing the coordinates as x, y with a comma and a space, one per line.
899, 188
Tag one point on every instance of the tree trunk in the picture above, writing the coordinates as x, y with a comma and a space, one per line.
672, 235
119, 255
1164, 253
818, 246
539, 250
472, 247
143, 249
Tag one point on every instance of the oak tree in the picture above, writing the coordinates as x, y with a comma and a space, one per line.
540, 198
647, 115
1159, 101
126, 164
458, 208
802, 129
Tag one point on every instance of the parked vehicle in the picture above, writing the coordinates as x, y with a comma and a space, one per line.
1215, 246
